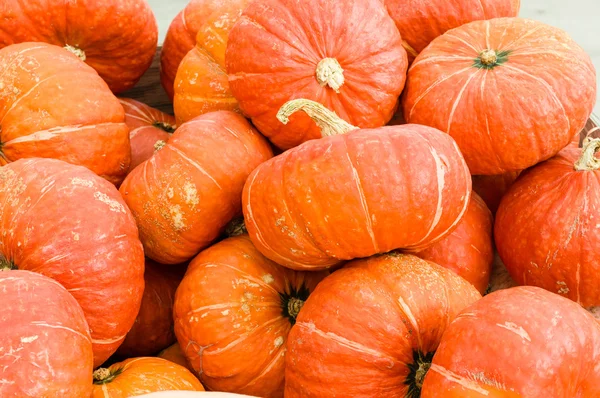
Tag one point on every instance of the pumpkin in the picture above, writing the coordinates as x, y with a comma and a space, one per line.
174, 353
419, 22
45, 343
183, 197
193, 394
554, 342
233, 312
152, 330
201, 83
66, 223
546, 227
345, 55
353, 195
117, 38
143, 375
459, 83
493, 187
372, 328
468, 250
54, 106
149, 128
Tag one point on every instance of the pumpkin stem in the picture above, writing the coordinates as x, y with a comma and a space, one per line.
158, 145
329, 123
236, 227
6, 264
292, 301
417, 372
294, 306
105, 375
595, 311
488, 57
330, 73
588, 160
164, 126
77, 51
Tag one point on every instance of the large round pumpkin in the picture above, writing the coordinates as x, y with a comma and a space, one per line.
45, 343
201, 84
519, 342
152, 330
117, 38
174, 353
147, 128
469, 249
419, 22
346, 55
139, 376
371, 328
493, 187
183, 197
353, 195
233, 312
547, 230
54, 106
512, 92
65, 222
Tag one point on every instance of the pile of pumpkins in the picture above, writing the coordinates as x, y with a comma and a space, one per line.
324, 216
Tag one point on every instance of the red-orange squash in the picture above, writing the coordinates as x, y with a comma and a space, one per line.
201, 84
174, 353
147, 127
493, 187
117, 38
371, 328
183, 197
45, 343
469, 249
512, 92
152, 330
233, 312
519, 342
66, 223
421, 21
54, 106
143, 375
547, 228
345, 55
353, 195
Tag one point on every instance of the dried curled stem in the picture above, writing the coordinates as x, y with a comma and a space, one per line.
329, 123
588, 160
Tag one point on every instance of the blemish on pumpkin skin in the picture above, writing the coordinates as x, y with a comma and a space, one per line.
246, 308
177, 217
562, 287
278, 342
225, 313
112, 203
268, 278
28, 339
81, 182
75, 236
190, 194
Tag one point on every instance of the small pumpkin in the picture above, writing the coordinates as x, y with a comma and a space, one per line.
469, 249
233, 312
54, 106
554, 341
117, 38
148, 127
493, 187
65, 222
183, 197
381, 318
174, 353
45, 343
201, 84
152, 330
546, 229
345, 55
543, 85
353, 195
143, 375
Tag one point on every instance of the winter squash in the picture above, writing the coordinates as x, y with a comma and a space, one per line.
54, 106
193, 394
353, 195
45, 343
183, 197
546, 226
419, 22
552, 92
493, 187
345, 55
117, 38
138, 376
233, 311
468, 250
66, 223
553, 340
381, 318
147, 128
174, 353
201, 83
152, 330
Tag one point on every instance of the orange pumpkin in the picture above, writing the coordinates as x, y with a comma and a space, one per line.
512, 92
175, 354
201, 83
54, 106
117, 38
493, 187
138, 376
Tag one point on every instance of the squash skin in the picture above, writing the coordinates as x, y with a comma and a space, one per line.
493, 188
174, 353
